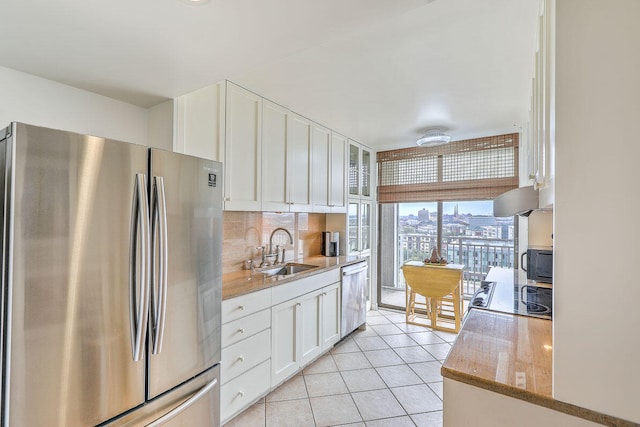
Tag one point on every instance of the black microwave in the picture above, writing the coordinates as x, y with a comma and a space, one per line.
539, 265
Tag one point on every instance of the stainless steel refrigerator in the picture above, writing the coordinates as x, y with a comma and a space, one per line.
111, 282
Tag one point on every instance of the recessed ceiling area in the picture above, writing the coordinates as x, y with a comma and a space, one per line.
378, 71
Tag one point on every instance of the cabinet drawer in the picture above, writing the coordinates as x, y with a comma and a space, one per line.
305, 285
240, 392
245, 305
244, 327
244, 355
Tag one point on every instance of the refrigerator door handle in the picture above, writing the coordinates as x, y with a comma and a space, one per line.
184, 405
159, 281
138, 280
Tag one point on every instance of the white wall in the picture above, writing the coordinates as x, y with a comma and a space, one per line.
160, 133
540, 229
597, 229
466, 405
34, 100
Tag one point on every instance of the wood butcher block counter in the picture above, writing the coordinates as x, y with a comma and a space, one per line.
243, 282
511, 355
504, 353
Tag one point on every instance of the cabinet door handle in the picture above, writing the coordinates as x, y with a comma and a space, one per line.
241, 330
241, 307
241, 393
240, 358
299, 304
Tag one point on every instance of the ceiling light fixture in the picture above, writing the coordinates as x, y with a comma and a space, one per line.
433, 137
195, 2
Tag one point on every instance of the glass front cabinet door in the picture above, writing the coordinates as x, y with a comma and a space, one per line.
365, 173
354, 169
360, 166
365, 226
354, 234
359, 220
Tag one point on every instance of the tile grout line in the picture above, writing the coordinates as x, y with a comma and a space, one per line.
371, 332
306, 389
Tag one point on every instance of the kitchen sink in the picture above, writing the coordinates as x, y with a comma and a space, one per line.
289, 269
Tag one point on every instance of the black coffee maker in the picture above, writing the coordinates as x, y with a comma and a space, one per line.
330, 243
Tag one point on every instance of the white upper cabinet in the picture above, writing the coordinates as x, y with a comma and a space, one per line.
338, 174
199, 122
329, 166
366, 166
360, 167
321, 152
274, 157
298, 163
243, 150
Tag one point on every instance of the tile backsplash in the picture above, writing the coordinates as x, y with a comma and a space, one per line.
244, 232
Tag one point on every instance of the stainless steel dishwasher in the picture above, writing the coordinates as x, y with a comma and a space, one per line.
354, 300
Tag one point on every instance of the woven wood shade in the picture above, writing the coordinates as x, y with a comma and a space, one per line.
472, 169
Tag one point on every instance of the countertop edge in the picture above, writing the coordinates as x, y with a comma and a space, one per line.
534, 398
243, 288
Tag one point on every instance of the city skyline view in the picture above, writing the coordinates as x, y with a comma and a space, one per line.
473, 238
484, 207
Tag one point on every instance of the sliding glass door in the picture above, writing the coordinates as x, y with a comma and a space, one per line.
463, 232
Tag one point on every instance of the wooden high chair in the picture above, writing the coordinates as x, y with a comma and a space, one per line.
441, 285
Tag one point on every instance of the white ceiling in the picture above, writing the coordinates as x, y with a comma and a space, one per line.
379, 71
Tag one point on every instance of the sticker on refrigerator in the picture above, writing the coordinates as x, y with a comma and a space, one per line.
212, 180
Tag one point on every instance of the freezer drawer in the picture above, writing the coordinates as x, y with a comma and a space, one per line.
195, 403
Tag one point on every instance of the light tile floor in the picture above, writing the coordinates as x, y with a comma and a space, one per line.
386, 375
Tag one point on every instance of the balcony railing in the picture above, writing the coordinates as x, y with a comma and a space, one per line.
478, 255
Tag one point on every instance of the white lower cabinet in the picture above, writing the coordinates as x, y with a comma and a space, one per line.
246, 351
244, 355
284, 345
303, 328
264, 344
310, 326
240, 392
330, 315
244, 327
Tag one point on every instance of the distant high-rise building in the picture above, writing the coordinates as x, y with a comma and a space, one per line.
423, 215
455, 211
481, 221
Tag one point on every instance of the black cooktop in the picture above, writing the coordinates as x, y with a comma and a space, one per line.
528, 300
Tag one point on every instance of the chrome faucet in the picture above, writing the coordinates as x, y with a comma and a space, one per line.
271, 241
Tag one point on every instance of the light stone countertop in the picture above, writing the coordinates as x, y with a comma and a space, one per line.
243, 282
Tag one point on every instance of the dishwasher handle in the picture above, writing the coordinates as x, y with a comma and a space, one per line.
349, 272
